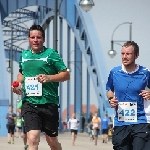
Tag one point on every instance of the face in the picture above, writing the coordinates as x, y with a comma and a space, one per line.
95, 114
10, 109
73, 115
36, 40
128, 56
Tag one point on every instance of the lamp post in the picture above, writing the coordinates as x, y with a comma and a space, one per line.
112, 52
78, 83
86, 5
11, 58
11, 64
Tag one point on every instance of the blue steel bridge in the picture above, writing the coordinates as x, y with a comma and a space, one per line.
77, 39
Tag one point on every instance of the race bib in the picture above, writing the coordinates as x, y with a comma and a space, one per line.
127, 111
33, 87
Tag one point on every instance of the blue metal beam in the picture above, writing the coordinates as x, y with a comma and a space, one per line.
4, 100
78, 83
60, 84
88, 97
68, 65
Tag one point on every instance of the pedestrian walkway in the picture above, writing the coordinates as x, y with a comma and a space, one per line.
82, 143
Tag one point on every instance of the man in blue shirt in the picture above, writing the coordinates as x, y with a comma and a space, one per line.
127, 93
105, 127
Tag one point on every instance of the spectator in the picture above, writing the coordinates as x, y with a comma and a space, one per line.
96, 126
105, 127
11, 124
73, 124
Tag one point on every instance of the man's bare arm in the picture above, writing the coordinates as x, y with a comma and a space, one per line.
60, 77
110, 94
20, 77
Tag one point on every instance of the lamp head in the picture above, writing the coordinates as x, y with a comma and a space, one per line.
68, 69
86, 5
112, 53
9, 69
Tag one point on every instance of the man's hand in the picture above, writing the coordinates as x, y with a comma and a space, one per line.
113, 102
17, 90
42, 78
145, 94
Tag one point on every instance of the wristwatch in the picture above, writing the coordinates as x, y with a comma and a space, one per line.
109, 99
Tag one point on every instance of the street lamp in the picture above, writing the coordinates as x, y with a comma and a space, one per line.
112, 52
86, 5
11, 58
78, 90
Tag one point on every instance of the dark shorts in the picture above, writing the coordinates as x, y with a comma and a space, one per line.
11, 128
19, 128
42, 117
104, 131
74, 131
132, 137
96, 132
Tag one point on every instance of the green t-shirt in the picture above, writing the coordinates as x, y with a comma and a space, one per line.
46, 62
18, 122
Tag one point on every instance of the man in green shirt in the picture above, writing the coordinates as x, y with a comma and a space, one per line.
41, 70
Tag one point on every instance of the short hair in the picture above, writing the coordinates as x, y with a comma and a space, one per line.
37, 27
132, 43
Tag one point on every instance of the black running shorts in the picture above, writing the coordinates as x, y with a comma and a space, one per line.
132, 137
42, 117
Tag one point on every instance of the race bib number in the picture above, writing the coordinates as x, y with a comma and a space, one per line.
127, 111
33, 87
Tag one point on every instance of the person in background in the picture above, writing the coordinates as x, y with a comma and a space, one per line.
73, 124
19, 106
18, 126
64, 125
96, 126
82, 123
11, 117
90, 127
105, 127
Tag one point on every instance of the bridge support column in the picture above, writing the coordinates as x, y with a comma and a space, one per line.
78, 83
4, 100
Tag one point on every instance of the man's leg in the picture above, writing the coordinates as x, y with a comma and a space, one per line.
53, 143
32, 122
121, 138
141, 136
25, 140
34, 139
12, 133
9, 138
95, 136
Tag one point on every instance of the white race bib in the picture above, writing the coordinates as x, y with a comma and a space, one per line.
127, 111
33, 87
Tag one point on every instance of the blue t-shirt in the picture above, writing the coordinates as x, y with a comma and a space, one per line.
127, 87
105, 123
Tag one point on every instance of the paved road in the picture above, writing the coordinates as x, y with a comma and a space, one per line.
82, 143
